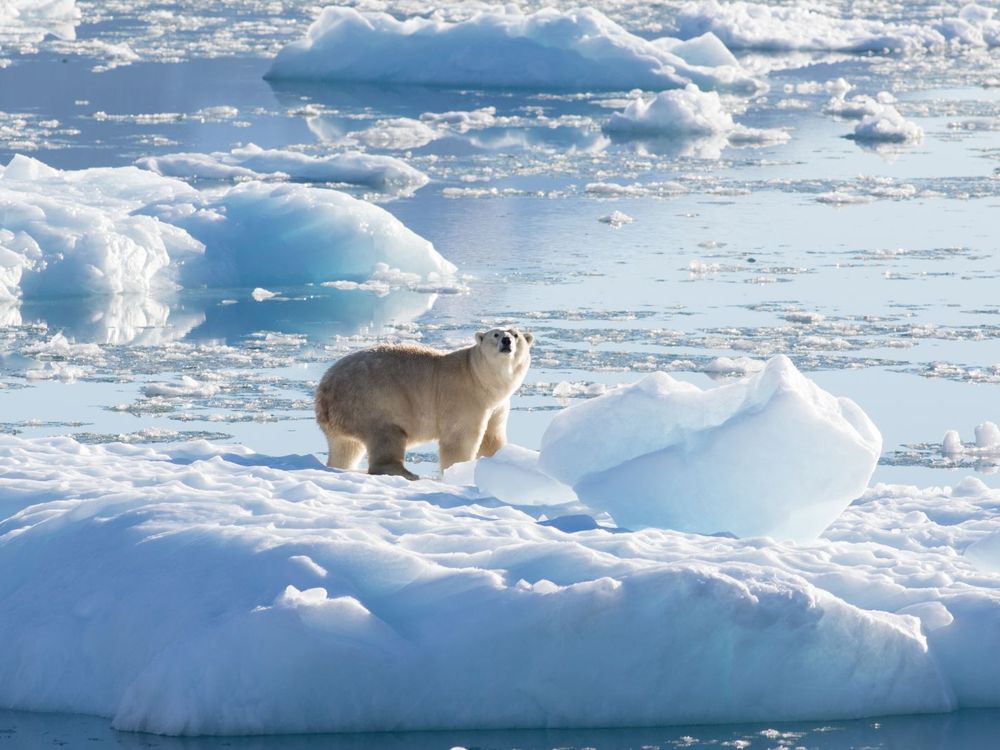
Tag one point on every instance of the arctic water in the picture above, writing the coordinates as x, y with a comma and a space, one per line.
873, 266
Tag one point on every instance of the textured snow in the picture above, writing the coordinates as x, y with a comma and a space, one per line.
501, 47
212, 590
128, 230
745, 25
666, 453
253, 162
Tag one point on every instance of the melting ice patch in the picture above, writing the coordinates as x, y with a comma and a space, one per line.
505, 48
666, 453
385, 173
128, 230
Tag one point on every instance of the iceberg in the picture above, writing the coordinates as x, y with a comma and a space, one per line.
578, 49
771, 454
127, 230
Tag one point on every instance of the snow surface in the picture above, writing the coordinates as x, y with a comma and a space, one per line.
253, 162
206, 589
128, 230
665, 453
745, 25
500, 47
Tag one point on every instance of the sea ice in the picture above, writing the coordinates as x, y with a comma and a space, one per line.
665, 453
747, 25
685, 112
128, 230
581, 49
253, 162
886, 125
171, 589
28, 21
512, 475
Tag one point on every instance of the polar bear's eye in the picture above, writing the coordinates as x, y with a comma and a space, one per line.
513, 334
496, 335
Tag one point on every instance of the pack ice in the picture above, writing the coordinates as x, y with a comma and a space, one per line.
747, 25
772, 454
206, 589
502, 47
128, 230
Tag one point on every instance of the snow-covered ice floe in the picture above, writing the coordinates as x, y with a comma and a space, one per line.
686, 112
128, 230
772, 454
746, 25
502, 47
253, 162
205, 589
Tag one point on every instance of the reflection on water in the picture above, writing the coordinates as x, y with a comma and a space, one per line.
968, 730
219, 315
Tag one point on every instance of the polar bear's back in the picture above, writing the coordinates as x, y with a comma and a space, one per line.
391, 384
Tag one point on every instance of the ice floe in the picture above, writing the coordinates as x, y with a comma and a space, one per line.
334, 601
253, 162
128, 230
503, 47
665, 453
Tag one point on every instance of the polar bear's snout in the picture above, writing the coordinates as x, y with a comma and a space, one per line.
505, 342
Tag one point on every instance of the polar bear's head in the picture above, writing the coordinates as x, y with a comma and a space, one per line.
505, 344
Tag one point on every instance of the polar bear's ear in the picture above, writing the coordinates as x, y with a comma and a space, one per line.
480, 336
529, 338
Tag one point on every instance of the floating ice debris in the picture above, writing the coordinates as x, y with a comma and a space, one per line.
128, 230
843, 198
187, 388
686, 112
988, 436
252, 162
260, 294
581, 48
858, 107
733, 366
770, 455
987, 443
747, 25
616, 219
886, 126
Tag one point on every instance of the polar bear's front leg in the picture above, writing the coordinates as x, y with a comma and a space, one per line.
495, 436
461, 442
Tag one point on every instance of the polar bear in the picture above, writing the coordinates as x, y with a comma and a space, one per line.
388, 397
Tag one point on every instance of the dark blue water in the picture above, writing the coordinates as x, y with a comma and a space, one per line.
963, 730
